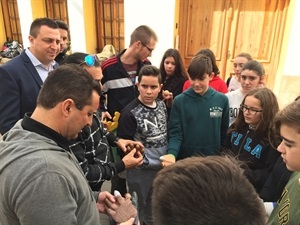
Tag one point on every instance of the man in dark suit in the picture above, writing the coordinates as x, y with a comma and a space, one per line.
22, 77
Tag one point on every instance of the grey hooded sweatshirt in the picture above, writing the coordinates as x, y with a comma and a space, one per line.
41, 183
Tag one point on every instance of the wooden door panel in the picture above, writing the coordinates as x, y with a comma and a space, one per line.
255, 31
202, 27
229, 27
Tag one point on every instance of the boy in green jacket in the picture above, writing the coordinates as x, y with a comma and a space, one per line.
199, 116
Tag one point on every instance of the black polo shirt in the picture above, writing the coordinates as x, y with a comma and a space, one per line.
34, 126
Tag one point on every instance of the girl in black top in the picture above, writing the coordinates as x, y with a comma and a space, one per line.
252, 137
173, 76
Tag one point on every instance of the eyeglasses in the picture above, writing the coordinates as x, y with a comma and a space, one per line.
149, 49
90, 60
252, 111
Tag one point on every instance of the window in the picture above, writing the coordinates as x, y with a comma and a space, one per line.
57, 9
11, 20
110, 24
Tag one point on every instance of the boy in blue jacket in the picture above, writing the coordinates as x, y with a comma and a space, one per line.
199, 116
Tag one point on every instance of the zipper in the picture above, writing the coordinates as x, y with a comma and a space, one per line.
243, 141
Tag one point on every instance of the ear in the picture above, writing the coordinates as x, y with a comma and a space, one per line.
31, 40
138, 44
67, 106
160, 87
211, 76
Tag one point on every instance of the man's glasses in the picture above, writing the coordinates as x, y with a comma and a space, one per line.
90, 60
252, 111
149, 49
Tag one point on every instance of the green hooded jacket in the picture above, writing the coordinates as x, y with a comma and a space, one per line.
198, 124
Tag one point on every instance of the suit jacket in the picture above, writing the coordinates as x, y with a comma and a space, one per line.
20, 84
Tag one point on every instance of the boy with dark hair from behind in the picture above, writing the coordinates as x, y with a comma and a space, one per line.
205, 191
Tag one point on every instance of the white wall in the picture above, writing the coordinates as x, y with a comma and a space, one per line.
157, 14
292, 60
287, 80
76, 25
76, 20
25, 15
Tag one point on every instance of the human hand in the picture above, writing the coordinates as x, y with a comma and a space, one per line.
103, 197
105, 115
167, 95
128, 222
122, 210
133, 159
129, 145
167, 160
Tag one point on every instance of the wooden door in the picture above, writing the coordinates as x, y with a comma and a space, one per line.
229, 27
